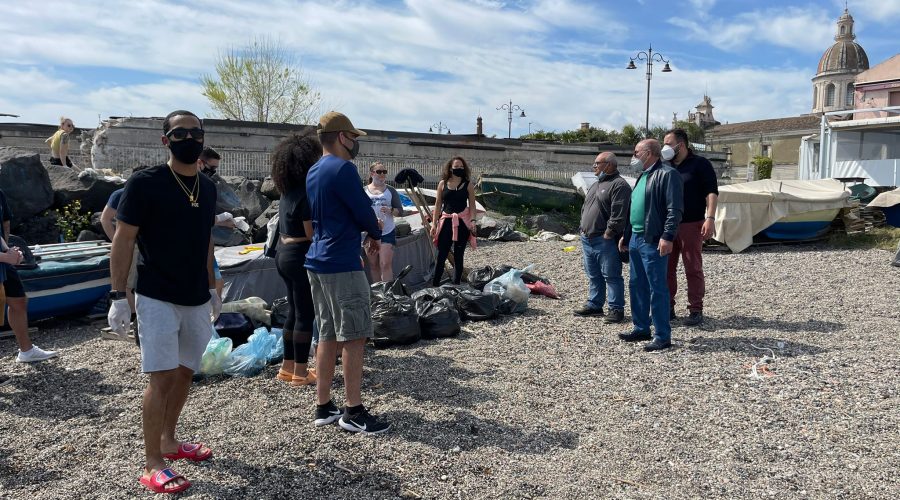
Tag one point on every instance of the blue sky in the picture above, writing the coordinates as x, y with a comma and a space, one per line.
405, 65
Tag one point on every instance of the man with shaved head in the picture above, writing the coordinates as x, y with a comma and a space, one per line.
656, 206
603, 218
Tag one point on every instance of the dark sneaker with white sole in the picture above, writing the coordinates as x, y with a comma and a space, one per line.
327, 414
363, 422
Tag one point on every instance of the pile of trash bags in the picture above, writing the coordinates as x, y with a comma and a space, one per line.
401, 318
262, 347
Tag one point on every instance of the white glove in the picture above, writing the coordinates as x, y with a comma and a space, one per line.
224, 216
215, 303
119, 316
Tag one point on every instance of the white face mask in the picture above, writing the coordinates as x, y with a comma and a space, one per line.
637, 163
668, 153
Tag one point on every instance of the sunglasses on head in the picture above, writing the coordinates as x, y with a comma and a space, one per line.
381, 172
180, 134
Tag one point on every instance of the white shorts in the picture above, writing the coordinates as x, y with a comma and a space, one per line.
171, 335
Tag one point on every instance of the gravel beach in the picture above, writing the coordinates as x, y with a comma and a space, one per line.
540, 405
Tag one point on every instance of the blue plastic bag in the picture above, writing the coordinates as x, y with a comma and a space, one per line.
511, 286
277, 352
249, 359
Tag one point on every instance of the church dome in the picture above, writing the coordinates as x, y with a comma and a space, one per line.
845, 56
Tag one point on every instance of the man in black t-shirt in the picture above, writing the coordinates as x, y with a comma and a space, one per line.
701, 194
169, 209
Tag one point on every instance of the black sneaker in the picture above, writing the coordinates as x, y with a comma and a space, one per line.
363, 422
694, 319
588, 311
634, 336
657, 345
614, 316
327, 414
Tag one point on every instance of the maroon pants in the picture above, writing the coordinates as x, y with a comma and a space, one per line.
689, 245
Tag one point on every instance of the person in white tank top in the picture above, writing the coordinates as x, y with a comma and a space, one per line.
386, 204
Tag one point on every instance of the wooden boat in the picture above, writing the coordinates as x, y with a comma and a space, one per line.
499, 192
65, 278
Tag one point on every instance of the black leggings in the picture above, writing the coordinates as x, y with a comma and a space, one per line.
297, 332
445, 241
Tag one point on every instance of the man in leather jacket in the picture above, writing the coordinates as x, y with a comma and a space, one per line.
657, 203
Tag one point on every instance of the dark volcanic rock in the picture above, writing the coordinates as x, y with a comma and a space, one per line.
90, 188
268, 189
25, 182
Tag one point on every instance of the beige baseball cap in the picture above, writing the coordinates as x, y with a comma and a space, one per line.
333, 121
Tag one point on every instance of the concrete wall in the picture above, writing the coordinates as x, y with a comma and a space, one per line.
784, 149
123, 143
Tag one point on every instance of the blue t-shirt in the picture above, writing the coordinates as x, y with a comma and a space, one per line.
114, 198
340, 210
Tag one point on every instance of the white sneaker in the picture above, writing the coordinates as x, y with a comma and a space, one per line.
35, 354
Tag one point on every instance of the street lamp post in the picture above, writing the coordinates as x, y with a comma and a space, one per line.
649, 56
439, 126
509, 113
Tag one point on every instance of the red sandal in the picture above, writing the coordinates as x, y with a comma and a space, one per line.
157, 481
190, 451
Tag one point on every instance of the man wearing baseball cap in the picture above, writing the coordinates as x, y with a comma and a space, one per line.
340, 211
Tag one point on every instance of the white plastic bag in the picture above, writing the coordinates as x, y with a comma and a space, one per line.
510, 285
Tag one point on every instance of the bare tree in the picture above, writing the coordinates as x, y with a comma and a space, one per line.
261, 82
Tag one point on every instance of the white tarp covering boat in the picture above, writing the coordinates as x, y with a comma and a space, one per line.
746, 209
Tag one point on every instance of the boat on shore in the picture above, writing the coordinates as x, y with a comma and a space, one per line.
499, 192
64, 278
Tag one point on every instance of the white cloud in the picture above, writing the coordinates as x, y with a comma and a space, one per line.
879, 11
807, 30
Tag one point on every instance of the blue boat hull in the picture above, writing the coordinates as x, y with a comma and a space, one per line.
59, 288
892, 215
797, 230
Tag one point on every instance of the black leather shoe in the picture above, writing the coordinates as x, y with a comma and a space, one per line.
614, 316
588, 311
694, 319
634, 336
657, 345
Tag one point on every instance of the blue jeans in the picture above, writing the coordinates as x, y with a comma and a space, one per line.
604, 271
648, 288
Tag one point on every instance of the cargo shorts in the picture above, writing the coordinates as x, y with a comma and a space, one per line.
342, 304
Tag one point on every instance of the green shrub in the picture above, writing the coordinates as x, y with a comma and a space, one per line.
71, 220
763, 167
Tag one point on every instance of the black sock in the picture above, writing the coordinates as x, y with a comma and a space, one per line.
353, 410
329, 403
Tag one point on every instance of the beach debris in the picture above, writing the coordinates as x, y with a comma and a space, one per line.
765, 366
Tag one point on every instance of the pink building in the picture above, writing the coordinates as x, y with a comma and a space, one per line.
878, 87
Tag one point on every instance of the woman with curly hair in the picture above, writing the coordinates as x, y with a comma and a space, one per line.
291, 160
454, 212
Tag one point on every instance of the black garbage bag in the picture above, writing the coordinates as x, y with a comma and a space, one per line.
395, 320
528, 278
482, 276
475, 305
507, 233
437, 318
280, 309
394, 286
510, 306
410, 175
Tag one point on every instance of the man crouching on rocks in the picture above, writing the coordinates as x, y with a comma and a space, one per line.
170, 210
602, 224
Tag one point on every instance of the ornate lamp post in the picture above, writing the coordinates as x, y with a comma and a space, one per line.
649, 56
509, 113
439, 126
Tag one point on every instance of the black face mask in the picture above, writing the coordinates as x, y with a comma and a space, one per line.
208, 171
459, 172
186, 151
352, 151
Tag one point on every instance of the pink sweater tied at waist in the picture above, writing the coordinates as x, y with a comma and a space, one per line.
466, 216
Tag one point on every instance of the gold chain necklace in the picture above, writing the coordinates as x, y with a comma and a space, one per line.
194, 192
